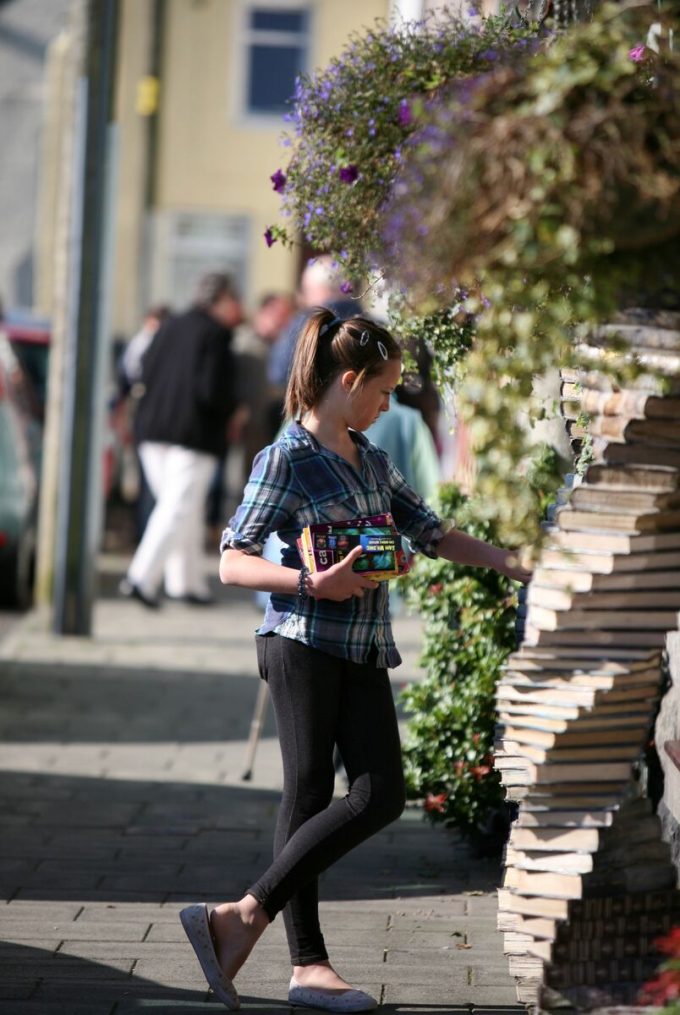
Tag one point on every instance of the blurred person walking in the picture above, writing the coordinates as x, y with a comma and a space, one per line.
134, 486
181, 426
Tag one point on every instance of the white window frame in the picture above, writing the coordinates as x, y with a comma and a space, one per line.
244, 35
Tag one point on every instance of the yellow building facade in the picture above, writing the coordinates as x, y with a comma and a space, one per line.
199, 111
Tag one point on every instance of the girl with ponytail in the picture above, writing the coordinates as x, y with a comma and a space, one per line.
324, 647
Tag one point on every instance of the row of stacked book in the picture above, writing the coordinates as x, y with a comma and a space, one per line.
588, 884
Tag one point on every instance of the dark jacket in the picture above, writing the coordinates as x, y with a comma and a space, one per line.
188, 377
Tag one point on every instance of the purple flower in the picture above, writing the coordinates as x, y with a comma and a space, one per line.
346, 287
278, 180
348, 174
404, 116
269, 237
637, 53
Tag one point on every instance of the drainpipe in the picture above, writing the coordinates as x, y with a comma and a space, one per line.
79, 503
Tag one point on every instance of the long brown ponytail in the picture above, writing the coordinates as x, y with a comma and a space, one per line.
327, 347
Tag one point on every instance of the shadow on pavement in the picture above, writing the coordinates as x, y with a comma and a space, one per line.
36, 980
40, 982
117, 840
83, 704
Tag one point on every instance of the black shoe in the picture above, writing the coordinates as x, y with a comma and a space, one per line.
131, 591
193, 599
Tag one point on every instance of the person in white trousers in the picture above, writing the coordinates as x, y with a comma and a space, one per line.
181, 426
171, 550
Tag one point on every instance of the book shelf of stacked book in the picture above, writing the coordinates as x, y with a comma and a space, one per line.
588, 883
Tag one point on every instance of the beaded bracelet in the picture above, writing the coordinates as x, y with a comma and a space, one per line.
302, 583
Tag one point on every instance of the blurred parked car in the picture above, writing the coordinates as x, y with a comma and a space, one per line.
24, 362
23, 375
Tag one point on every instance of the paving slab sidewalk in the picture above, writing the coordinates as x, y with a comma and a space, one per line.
121, 796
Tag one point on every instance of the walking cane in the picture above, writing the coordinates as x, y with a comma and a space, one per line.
256, 724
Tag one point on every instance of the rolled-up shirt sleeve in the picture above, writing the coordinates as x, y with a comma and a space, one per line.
270, 500
423, 528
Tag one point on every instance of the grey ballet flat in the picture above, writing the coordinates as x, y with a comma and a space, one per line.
196, 923
343, 1001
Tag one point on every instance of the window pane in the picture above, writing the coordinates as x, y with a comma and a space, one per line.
279, 21
273, 70
199, 242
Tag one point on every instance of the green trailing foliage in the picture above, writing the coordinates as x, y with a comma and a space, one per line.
469, 617
470, 629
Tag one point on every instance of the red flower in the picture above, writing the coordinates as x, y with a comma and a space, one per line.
670, 943
666, 987
480, 771
436, 803
436, 588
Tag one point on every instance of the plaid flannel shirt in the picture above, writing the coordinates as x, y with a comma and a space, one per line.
296, 482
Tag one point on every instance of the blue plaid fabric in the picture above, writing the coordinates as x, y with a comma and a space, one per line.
296, 482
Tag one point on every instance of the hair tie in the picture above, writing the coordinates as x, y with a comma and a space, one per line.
327, 327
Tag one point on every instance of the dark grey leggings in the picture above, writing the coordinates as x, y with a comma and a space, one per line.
320, 701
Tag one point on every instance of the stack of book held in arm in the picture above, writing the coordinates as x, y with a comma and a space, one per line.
327, 543
588, 883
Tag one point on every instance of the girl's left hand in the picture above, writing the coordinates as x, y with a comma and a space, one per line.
513, 569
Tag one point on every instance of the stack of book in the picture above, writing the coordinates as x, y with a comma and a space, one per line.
588, 884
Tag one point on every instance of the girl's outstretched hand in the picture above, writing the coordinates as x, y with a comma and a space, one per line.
513, 569
340, 582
